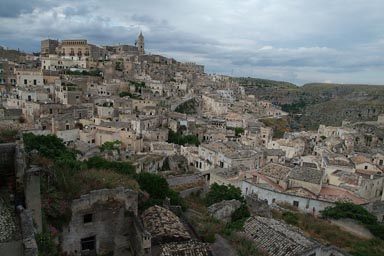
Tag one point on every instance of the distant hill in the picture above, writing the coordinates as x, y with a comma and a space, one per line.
320, 103
263, 83
11, 55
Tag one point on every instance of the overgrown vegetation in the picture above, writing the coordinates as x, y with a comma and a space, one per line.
63, 174
158, 189
47, 145
8, 135
45, 244
208, 226
110, 145
290, 217
180, 139
295, 107
280, 126
138, 85
218, 193
244, 246
355, 212
327, 233
238, 131
188, 107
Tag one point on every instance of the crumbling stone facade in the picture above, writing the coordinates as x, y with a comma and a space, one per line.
97, 221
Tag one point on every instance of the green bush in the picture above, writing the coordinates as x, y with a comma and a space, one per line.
238, 131
358, 213
45, 244
8, 135
290, 218
47, 145
218, 193
349, 210
158, 189
179, 139
99, 163
241, 213
377, 230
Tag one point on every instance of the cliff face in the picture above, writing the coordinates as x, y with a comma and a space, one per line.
328, 104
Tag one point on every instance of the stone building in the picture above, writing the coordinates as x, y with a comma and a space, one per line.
169, 236
28, 78
101, 222
78, 49
48, 46
140, 43
7, 76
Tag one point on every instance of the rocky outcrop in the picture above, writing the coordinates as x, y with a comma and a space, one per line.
224, 209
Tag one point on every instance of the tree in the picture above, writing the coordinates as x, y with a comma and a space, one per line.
154, 184
240, 213
238, 131
158, 189
179, 139
110, 145
218, 193
349, 210
47, 145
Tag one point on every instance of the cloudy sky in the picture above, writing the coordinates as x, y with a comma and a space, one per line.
291, 40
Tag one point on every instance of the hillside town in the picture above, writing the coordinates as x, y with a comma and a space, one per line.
196, 130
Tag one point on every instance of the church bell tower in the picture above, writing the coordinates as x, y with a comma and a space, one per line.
140, 43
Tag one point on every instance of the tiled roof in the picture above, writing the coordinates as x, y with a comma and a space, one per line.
188, 248
310, 175
275, 237
276, 171
164, 225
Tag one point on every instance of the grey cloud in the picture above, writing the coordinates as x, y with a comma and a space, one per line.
14, 8
143, 18
289, 40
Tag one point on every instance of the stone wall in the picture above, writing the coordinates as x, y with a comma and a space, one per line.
140, 238
28, 232
32, 195
257, 206
304, 204
106, 210
129, 197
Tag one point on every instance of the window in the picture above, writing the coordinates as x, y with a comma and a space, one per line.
34, 82
87, 218
366, 167
25, 81
296, 203
88, 243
